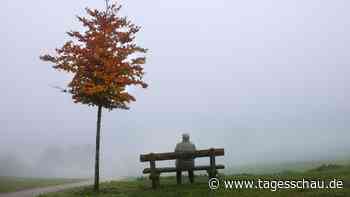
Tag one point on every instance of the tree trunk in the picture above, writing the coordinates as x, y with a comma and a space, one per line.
97, 153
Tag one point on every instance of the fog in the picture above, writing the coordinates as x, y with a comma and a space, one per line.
266, 80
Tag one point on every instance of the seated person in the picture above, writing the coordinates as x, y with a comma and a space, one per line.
185, 164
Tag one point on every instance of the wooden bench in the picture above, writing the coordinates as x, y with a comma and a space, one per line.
155, 172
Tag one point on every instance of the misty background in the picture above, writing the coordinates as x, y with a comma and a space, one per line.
266, 80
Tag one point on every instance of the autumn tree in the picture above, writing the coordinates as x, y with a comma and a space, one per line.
103, 60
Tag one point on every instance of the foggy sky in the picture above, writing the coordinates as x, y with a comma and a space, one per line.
266, 80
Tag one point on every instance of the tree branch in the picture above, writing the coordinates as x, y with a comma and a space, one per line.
107, 5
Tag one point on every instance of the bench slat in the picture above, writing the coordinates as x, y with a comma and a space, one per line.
173, 155
173, 169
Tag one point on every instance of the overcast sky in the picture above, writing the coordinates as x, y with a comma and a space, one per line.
267, 80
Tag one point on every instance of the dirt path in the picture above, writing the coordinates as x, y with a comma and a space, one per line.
36, 192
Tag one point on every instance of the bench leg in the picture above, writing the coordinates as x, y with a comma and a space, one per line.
191, 176
212, 173
215, 174
179, 177
209, 173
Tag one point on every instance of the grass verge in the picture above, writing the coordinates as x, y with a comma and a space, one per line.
11, 184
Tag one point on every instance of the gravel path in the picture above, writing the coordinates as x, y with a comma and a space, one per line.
36, 192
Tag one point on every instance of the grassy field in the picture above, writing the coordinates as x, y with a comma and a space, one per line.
141, 187
10, 184
269, 168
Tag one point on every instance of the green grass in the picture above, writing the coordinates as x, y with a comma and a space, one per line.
269, 168
10, 184
142, 186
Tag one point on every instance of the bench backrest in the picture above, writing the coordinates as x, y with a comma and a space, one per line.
178, 155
